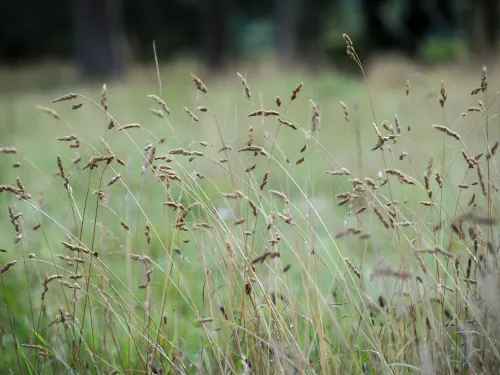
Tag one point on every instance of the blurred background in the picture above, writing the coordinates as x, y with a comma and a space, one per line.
103, 38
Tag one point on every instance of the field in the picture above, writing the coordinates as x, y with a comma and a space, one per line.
220, 239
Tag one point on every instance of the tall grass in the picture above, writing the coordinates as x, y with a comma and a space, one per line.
255, 247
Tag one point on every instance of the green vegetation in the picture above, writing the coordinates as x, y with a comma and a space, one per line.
263, 249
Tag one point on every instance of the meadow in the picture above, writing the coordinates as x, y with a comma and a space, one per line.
260, 222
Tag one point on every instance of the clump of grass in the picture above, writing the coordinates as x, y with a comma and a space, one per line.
262, 254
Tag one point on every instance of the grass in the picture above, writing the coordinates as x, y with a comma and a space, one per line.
281, 269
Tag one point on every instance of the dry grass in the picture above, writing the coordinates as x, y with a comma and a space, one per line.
314, 242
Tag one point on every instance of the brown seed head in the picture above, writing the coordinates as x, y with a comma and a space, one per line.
444, 96
484, 79
69, 96
160, 101
245, 86
296, 90
104, 97
50, 111
199, 84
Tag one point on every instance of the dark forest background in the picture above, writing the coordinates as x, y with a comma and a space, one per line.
101, 36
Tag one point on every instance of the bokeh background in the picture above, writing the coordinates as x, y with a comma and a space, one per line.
109, 37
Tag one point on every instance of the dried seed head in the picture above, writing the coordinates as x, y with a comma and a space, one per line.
407, 87
141, 258
92, 163
288, 123
447, 131
400, 175
265, 255
353, 269
239, 221
444, 96
129, 126
67, 138
360, 210
50, 111
350, 49
346, 111
278, 101
264, 180
253, 206
474, 109
157, 112
251, 168
202, 108
252, 148
191, 114
428, 204
245, 86
315, 116
160, 101
280, 195
493, 150
114, 179
300, 161
6, 266
250, 137
76, 106
296, 90
470, 161
234, 195
380, 217
476, 91
8, 150
263, 112
398, 125
199, 84
104, 97
439, 180
484, 79
339, 172
69, 96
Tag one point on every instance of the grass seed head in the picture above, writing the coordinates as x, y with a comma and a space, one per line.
6, 266
69, 96
50, 111
296, 90
199, 84
245, 86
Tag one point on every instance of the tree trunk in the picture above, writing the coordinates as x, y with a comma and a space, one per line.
215, 18
312, 16
483, 31
286, 14
98, 38
377, 37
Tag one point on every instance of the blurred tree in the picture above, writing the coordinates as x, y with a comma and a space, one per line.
311, 28
98, 38
215, 32
31, 29
286, 18
483, 27
414, 20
